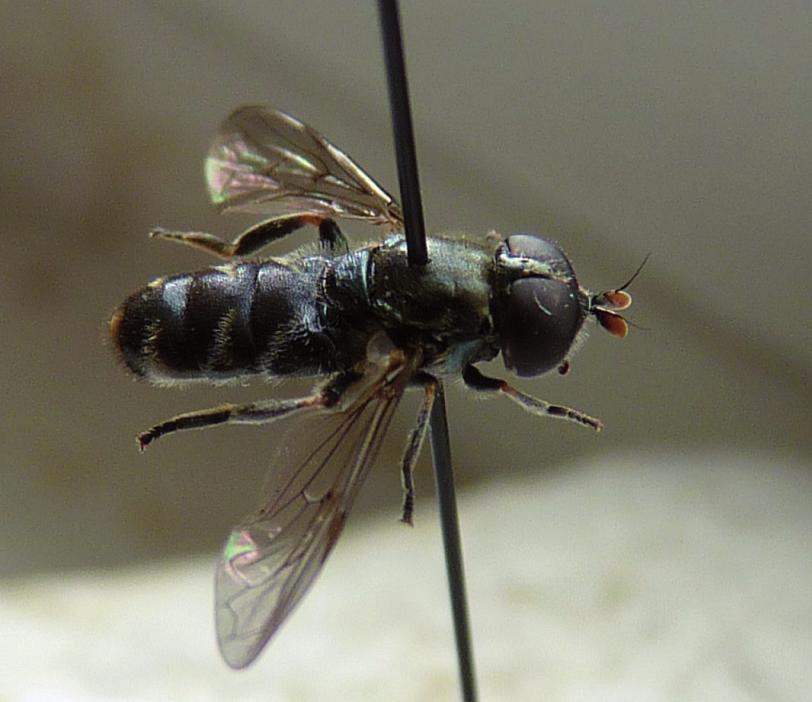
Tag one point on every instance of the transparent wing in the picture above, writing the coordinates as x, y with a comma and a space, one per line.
266, 162
272, 558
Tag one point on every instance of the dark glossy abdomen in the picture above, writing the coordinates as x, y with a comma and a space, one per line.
226, 322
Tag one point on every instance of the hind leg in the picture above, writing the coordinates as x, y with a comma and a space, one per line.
258, 236
262, 412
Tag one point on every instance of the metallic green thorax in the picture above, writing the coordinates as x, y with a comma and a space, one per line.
444, 307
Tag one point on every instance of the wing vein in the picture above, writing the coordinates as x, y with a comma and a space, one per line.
273, 557
266, 162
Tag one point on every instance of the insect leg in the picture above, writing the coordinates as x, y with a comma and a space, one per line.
258, 236
414, 444
475, 379
261, 412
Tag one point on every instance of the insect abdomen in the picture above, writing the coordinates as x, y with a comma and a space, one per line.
215, 324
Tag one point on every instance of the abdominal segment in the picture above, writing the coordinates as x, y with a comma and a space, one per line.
221, 323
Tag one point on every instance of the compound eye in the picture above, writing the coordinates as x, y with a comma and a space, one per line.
536, 247
542, 317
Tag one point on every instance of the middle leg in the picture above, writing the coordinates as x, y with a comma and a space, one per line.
414, 444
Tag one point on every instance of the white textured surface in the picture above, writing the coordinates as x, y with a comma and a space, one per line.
643, 578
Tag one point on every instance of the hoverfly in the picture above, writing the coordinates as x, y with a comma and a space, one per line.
363, 321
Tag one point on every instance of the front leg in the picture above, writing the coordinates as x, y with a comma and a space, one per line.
475, 379
258, 236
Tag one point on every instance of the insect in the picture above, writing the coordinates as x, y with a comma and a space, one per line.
363, 321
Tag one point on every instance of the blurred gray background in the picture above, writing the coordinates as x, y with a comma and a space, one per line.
616, 128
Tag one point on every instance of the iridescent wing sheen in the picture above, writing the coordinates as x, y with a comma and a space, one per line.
266, 162
272, 558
